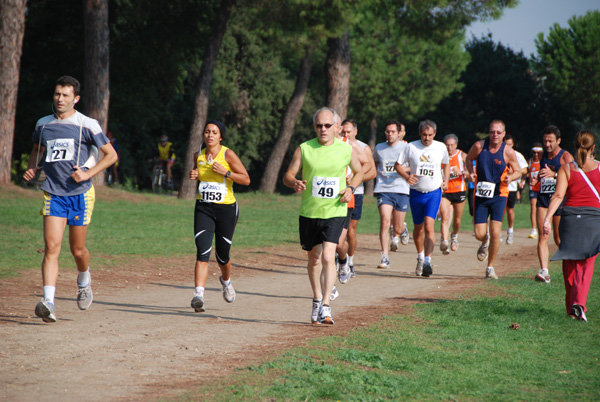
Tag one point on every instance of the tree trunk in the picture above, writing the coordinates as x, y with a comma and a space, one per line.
96, 66
338, 73
288, 122
372, 142
209, 60
12, 31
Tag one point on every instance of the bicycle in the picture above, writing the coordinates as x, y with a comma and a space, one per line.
159, 178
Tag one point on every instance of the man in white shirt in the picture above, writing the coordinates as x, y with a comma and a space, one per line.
427, 159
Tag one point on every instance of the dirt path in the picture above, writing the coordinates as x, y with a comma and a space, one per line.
140, 340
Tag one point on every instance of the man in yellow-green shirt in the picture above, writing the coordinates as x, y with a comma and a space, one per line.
323, 161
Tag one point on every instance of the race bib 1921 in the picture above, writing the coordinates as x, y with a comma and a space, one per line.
325, 187
548, 185
485, 189
61, 149
212, 192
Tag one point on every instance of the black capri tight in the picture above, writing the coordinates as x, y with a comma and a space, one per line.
214, 220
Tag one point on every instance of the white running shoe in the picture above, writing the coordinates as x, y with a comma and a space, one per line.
490, 273
344, 274
45, 310
314, 315
325, 315
543, 276
509, 238
385, 262
334, 294
84, 297
228, 291
444, 247
453, 242
482, 252
404, 236
395, 244
419, 269
533, 234
198, 303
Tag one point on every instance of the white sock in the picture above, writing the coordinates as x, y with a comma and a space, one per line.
428, 259
350, 260
533, 230
49, 293
84, 278
199, 290
510, 230
421, 255
226, 283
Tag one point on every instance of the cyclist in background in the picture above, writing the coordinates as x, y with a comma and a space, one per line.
166, 156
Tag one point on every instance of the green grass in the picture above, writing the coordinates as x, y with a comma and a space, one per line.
160, 226
449, 350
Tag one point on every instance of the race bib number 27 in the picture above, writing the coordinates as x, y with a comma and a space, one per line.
62, 149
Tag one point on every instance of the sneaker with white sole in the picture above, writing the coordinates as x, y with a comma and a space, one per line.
344, 274
334, 294
533, 234
419, 269
404, 236
352, 273
509, 238
578, 312
454, 242
198, 303
46, 311
314, 315
84, 297
385, 262
228, 291
427, 269
395, 244
490, 273
482, 252
444, 247
543, 276
325, 315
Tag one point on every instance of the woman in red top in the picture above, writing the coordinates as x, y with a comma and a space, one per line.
579, 183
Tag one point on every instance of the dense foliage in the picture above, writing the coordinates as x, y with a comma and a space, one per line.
410, 60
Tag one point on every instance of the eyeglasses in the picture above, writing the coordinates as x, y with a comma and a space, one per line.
496, 132
320, 126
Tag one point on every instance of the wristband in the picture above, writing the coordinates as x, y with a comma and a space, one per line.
228, 173
353, 189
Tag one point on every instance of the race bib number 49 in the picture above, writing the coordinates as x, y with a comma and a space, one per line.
60, 150
325, 187
212, 192
485, 189
548, 185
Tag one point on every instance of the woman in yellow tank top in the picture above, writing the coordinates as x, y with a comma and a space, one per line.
216, 211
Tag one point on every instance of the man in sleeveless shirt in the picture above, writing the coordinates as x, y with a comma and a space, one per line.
325, 194
453, 199
349, 131
533, 168
491, 178
552, 159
